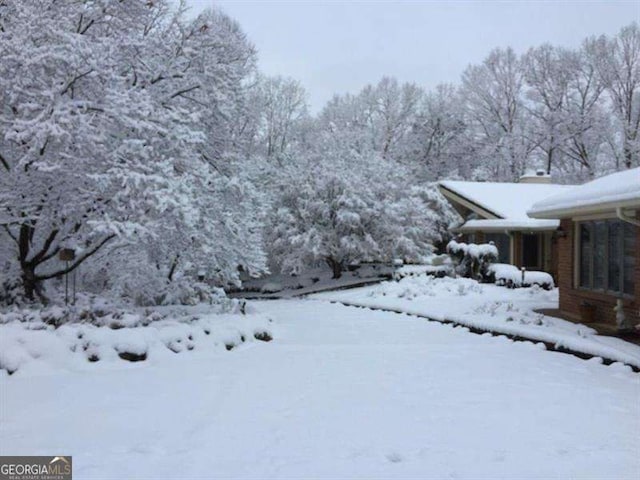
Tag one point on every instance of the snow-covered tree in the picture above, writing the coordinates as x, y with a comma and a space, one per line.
618, 64
586, 117
283, 103
433, 146
335, 214
493, 96
116, 126
547, 76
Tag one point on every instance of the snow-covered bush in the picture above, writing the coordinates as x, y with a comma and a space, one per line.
61, 338
512, 277
472, 260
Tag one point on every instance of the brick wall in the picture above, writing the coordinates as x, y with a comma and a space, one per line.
571, 298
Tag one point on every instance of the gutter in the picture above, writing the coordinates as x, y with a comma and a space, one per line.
626, 218
501, 229
584, 210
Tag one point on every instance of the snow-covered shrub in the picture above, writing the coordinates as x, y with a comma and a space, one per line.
438, 271
472, 260
32, 341
512, 277
138, 276
271, 287
11, 291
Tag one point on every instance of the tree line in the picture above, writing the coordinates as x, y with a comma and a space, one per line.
148, 144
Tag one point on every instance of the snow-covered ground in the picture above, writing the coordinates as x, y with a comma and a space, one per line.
488, 307
339, 393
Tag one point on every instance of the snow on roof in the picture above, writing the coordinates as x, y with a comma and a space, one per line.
620, 189
505, 200
500, 225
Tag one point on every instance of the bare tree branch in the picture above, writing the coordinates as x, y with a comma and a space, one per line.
74, 265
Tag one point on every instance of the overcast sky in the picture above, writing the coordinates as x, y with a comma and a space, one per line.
338, 47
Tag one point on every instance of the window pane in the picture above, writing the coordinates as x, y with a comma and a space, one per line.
615, 255
629, 259
599, 252
501, 241
585, 255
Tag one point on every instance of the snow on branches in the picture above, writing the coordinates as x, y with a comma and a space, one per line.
116, 132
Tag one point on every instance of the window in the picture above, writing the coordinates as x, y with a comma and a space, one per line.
501, 241
607, 256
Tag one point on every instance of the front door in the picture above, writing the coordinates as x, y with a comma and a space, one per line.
531, 251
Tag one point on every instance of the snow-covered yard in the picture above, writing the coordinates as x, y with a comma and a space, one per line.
340, 393
488, 307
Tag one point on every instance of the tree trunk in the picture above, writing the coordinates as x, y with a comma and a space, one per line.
336, 267
628, 155
32, 286
174, 265
29, 283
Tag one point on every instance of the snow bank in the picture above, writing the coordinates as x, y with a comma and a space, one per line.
33, 346
488, 307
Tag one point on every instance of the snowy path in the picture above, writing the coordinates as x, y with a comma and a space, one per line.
341, 392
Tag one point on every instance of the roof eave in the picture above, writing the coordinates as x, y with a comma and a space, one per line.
455, 196
498, 229
604, 207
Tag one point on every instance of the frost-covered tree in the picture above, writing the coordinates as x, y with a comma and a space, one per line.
77, 134
283, 103
390, 109
335, 215
618, 64
547, 76
433, 146
115, 121
493, 97
587, 145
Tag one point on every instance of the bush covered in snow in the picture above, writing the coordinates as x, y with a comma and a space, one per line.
59, 337
471, 260
436, 266
510, 276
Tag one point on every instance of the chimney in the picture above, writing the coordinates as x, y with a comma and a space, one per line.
539, 176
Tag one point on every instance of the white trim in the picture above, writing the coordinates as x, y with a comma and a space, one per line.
627, 217
456, 197
584, 210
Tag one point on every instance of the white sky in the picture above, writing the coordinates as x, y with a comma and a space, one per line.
338, 47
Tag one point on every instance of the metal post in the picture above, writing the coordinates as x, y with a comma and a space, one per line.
66, 285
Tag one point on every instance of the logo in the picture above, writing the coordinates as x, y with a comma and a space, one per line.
35, 468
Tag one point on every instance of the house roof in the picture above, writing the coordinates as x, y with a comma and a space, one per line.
500, 225
501, 200
618, 190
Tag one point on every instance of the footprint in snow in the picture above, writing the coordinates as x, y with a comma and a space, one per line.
394, 457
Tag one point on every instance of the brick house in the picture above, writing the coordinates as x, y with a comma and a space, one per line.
497, 212
598, 247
